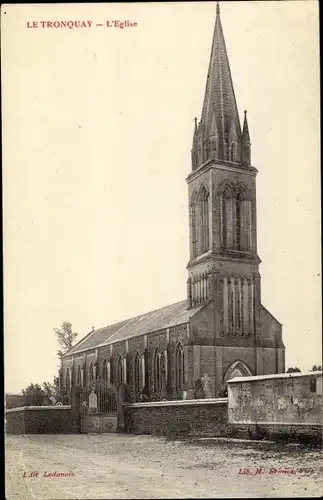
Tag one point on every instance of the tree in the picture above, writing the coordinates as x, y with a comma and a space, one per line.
50, 392
316, 368
65, 337
59, 393
293, 370
56, 383
34, 395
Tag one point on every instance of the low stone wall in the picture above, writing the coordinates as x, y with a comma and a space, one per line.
276, 406
15, 421
38, 420
288, 398
196, 417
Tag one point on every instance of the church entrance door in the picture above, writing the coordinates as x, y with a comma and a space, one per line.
98, 408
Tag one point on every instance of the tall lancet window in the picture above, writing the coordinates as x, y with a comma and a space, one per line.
163, 363
238, 308
193, 226
137, 375
231, 310
157, 371
200, 222
104, 371
226, 218
204, 219
91, 373
224, 221
119, 373
238, 221
180, 367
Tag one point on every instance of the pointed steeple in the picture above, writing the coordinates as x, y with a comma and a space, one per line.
219, 111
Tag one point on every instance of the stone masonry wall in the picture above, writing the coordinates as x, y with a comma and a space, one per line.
284, 399
15, 421
179, 418
39, 420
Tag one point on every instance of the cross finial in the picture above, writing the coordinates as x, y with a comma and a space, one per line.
218, 8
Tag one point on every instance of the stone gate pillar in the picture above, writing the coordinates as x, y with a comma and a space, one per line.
75, 411
121, 410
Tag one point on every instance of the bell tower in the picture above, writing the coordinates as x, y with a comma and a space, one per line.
223, 265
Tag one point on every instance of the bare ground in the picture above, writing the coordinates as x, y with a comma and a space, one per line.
125, 466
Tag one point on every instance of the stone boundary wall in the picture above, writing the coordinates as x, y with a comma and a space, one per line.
285, 405
38, 420
209, 418
196, 417
286, 399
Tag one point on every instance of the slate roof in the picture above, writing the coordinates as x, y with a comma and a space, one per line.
175, 314
219, 96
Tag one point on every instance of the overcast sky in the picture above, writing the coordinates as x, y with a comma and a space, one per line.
97, 132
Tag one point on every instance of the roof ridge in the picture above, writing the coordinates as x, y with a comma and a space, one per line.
122, 324
138, 315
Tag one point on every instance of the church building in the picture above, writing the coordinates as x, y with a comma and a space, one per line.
221, 330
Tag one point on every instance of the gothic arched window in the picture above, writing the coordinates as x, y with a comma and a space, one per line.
119, 371
194, 232
231, 311
204, 219
112, 369
163, 365
179, 366
109, 371
91, 373
238, 221
104, 371
224, 221
226, 216
200, 221
157, 371
129, 379
137, 375
239, 309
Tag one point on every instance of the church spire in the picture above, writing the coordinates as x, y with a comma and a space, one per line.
219, 127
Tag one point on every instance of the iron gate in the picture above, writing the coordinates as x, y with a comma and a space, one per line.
98, 407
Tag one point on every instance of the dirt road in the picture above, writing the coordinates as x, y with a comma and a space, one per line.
126, 466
